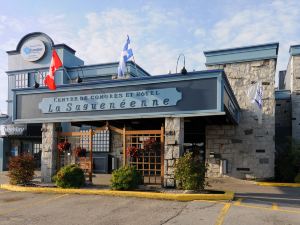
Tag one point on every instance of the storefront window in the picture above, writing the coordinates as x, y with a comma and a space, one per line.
101, 141
37, 148
14, 150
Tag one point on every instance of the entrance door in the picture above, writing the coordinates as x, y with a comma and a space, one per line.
26, 147
144, 150
194, 137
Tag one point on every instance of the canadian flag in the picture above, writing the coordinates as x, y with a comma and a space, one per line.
55, 64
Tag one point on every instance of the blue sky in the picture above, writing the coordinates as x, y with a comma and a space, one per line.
159, 30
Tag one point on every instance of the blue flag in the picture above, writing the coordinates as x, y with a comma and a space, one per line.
126, 55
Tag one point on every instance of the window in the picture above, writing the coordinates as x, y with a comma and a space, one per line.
21, 80
37, 147
41, 77
101, 141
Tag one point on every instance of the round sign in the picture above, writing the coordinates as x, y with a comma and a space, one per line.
33, 50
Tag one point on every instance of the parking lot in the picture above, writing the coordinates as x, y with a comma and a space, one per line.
32, 208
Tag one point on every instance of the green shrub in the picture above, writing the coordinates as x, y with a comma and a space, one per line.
21, 169
190, 173
297, 178
126, 178
70, 176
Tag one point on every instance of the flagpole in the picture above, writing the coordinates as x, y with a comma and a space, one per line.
126, 71
135, 66
64, 69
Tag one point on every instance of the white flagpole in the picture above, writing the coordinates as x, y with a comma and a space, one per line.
136, 71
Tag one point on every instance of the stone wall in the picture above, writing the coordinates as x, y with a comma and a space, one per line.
294, 70
173, 148
283, 112
49, 144
249, 147
283, 124
293, 79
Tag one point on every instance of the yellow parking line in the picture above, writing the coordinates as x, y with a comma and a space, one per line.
32, 204
275, 206
210, 201
222, 214
271, 209
238, 202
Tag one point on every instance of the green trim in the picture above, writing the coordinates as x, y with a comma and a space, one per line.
294, 50
242, 54
282, 95
213, 112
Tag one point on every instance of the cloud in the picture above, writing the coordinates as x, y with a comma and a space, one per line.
199, 32
9, 24
276, 21
157, 35
102, 38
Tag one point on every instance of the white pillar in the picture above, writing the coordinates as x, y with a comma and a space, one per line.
49, 150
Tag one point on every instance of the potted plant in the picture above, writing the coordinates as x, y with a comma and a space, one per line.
63, 146
151, 145
80, 152
132, 151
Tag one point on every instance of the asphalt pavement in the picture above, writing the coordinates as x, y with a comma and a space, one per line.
18, 208
253, 205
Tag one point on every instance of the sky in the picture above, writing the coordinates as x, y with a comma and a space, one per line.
159, 30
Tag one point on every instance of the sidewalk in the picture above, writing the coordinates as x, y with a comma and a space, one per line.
239, 187
99, 180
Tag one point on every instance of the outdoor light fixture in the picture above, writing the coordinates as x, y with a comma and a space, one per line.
78, 79
183, 70
36, 84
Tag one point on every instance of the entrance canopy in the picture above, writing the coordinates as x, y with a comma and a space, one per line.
202, 93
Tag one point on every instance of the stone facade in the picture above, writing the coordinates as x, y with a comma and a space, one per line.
293, 84
173, 148
49, 143
249, 147
283, 124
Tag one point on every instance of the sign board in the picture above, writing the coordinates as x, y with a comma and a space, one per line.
170, 137
101, 102
12, 130
33, 50
111, 101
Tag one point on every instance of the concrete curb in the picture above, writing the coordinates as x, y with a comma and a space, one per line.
151, 195
274, 184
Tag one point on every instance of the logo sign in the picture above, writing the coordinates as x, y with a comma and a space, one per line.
111, 101
33, 50
12, 130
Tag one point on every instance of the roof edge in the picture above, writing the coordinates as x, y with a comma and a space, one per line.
242, 54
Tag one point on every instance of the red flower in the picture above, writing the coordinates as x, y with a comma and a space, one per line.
151, 145
132, 151
63, 146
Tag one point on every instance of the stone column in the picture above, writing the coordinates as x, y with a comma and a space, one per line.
49, 143
174, 130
